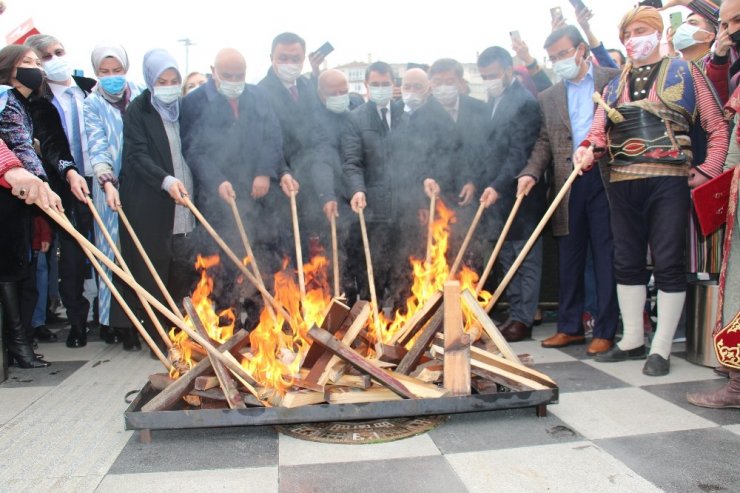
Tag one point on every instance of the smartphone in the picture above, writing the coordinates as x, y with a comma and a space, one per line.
676, 20
515, 36
578, 5
556, 13
658, 4
324, 49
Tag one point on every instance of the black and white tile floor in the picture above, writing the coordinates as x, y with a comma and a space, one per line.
614, 429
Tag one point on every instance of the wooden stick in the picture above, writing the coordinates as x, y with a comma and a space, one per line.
230, 253
66, 224
422, 343
430, 239
466, 242
226, 358
298, 249
488, 326
456, 343
370, 277
224, 379
147, 308
499, 244
335, 256
147, 261
533, 238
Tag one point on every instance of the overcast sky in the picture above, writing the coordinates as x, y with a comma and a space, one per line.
390, 30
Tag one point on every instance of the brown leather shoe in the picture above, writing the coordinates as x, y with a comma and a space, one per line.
516, 331
598, 345
562, 339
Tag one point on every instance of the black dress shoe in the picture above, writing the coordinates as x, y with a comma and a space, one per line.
615, 354
131, 339
53, 319
42, 333
516, 331
656, 366
110, 335
77, 338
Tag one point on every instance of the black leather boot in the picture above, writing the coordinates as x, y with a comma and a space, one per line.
131, 340
19, 347
77, 337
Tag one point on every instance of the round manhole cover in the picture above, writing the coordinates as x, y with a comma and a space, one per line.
357, 432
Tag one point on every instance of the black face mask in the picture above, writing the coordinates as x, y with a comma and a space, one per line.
32, 78
735, 37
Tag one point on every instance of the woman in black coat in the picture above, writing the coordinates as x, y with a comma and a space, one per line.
154, 181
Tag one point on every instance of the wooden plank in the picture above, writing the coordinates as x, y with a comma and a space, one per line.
421, 389
488, 326
297, 398
347, 395
224, 378
334, 316
416, 322
160, 381
356, 381
343, 351
347, 338
172, 394
304, 384
412, 358
206, 383
390, 354
430, 372
456, 342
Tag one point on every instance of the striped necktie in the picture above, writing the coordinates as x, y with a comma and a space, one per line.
73, 133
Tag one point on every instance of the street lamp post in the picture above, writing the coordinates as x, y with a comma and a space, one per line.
187, 43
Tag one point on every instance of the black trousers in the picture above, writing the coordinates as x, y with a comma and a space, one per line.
650, 211
74, 266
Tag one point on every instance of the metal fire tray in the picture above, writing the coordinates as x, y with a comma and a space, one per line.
257, 416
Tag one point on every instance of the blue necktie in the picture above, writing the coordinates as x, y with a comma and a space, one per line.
73, 135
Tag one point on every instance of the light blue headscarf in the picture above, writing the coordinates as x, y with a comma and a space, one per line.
156, 61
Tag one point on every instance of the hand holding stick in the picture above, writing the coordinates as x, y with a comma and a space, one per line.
499, 244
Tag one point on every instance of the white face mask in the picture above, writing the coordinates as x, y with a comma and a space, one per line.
446, 95
231, 90
337, 104
413, 100
494, 87
167, 94
684, 37
380, 95
289, 72
567, 69
641, 47
57, 69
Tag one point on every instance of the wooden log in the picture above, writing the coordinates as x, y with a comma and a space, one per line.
297, 398
416, 322
489, 327
338, 370
206, 383
429, 372
456, 342
224, 378
421, 389
346, 353
334, 317
304, 384
213, 404
483, 385
412, 358
355, 381
348, 395
390, 354
160, 381
172, 394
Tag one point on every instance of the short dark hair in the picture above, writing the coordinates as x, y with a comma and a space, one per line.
287, 39
622, 58
495, 54
570, 32
447, 65
10, 57
379, 67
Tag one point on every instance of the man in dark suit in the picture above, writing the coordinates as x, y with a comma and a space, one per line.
374, 149
582, 219
512, 132
59, 127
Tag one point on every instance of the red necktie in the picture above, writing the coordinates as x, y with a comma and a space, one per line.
294, 93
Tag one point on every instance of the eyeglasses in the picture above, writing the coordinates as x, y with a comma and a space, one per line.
562, 55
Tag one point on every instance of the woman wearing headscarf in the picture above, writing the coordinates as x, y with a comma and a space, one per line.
103, 112
154, 180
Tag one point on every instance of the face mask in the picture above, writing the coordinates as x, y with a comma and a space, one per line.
167, 94
735, 37
684, 37
567, 69
381, 95
57, 69
446, 95
641, 47
231, 90
337, 104
413, 100
289, 72
32, 78
494, 87
113, 85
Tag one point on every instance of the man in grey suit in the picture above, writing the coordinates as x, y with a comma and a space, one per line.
583, 217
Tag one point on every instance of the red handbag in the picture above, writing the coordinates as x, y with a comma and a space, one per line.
710, 202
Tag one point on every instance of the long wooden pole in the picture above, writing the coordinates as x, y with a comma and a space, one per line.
118, 297
499, 245
230, 253
533, 237
466, 242
226, 358
147, 261
430, 228
335, 255
298, 249
370, 277
147, 308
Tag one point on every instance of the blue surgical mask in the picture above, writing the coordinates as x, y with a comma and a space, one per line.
684, 36
113, 84
167, 94
380, 95
567, 69
57, 69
